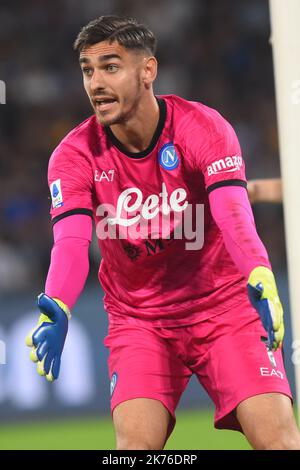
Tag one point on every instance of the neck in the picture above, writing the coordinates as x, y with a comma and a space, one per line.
136, 133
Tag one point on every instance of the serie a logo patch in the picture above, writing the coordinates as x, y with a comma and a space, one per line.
56, 194
168, 157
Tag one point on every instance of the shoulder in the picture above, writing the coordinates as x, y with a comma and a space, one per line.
190, 116
73, 155
77, 143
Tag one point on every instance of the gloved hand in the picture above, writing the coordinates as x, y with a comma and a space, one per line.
264, 297
47, 339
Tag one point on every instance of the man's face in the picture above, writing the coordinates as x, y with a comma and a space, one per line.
113, 80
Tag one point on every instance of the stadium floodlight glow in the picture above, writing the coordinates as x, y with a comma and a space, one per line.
285, 20
2, 92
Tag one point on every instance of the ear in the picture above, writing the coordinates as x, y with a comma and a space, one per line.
149, 71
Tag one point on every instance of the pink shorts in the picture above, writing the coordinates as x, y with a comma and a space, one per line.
225, 352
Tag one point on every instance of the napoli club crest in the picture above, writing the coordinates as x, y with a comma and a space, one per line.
168, 157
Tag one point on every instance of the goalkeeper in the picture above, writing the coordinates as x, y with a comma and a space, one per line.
173, 310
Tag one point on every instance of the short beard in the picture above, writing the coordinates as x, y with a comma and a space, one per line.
122, 118
119, 119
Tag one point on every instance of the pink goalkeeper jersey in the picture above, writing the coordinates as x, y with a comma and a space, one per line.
163, 256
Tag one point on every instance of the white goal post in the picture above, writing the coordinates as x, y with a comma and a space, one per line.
285, 40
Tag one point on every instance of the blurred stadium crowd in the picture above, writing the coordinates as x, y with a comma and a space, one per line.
212, 51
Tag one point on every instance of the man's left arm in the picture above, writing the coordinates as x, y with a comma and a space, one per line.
216, 152
232, 213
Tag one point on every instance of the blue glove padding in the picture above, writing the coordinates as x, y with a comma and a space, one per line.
262, 307
264, 297
48, 338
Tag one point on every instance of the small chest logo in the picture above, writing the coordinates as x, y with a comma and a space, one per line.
101, 176
168, 157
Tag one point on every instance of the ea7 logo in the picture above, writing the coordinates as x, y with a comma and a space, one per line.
104, 175
225, 165
265, 371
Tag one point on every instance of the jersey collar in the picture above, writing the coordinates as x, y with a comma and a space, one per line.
155, 138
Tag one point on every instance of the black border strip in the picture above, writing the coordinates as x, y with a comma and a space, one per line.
161, 123
72, 212
220, 184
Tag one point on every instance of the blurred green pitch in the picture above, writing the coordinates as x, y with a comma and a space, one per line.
194, 430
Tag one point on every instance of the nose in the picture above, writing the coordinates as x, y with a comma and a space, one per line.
97, 81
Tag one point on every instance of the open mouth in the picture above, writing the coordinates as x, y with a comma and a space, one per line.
104, 103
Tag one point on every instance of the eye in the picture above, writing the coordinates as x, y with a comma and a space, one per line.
112, 68
87, 71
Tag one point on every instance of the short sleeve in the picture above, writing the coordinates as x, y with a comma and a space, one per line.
70, 179
217, 153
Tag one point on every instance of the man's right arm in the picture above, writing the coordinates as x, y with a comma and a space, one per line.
69, 265
66, 278
70, 178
